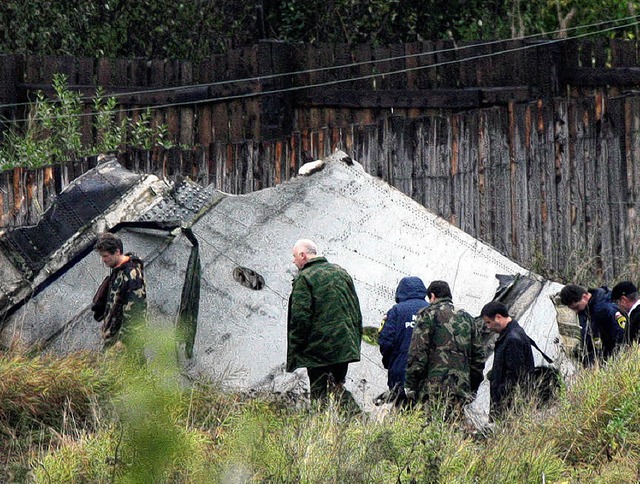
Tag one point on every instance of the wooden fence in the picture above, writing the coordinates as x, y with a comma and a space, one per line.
546, 170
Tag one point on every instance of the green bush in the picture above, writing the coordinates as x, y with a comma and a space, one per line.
52, 132
115, 28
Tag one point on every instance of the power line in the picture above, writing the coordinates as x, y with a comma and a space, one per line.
337, 81
357, 64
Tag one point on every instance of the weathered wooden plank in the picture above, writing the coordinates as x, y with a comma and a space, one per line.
585, 53
534, 184
400, 98
187, 135
570, 54
8, 86
467, 68
412, 62
577, 189
546, 130
465, 188
520, 199
600, 53
623, 53
602, 237
483, 65
565, 205
501, 176
588, 162
602, 76
51, 66
104, 71
397, 65
482, 227
447, 70
613, 195
632, 172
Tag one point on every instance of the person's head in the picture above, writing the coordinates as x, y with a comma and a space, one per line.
496, 316
625, 294
575, 297
303, 251
437, 290
110, 249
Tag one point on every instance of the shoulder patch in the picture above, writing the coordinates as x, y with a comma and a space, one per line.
621, 319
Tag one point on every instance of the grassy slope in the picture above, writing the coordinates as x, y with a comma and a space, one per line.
82, 419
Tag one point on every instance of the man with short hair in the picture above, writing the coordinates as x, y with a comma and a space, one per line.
446, 356
625, 295
602, 324
120, 302
324, 322
512, 357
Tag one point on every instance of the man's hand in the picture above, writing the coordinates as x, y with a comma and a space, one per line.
409, 393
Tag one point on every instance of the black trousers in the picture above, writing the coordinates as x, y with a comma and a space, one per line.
324, 378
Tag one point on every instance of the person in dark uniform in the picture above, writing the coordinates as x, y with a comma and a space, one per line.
602, 324
625, 295
395, 333
512, 357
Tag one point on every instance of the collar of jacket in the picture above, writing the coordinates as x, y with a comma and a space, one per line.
313, 261
442, 300
133, 260
507, 329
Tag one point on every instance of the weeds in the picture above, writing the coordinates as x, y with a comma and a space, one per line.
53, 131
149, 427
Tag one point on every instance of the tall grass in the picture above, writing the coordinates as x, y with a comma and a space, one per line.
116, 422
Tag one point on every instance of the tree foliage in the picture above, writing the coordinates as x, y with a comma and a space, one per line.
388, 21
196, 29
189, 29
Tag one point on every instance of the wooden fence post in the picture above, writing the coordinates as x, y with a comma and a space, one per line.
8, 82
276, 113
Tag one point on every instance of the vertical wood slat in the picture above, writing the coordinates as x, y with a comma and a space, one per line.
566, 198
187, 135
632, 150
599, 217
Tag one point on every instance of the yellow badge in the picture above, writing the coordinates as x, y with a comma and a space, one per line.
621, 319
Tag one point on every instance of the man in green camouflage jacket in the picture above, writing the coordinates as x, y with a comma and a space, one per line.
446, 355
324, 323
120, 302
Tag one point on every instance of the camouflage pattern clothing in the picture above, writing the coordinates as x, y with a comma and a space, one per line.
446, 356
324, 322
124, 303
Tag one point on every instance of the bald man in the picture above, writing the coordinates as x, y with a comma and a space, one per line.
324, 323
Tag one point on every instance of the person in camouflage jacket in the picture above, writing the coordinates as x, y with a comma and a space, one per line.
446, 355
324, 322
120, 303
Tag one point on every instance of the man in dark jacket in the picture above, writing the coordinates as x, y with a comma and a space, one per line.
395, 333
602, 324
120, 302
512, 357
324, 323
625, 295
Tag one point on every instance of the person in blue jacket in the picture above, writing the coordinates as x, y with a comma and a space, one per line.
602, 324
395, 333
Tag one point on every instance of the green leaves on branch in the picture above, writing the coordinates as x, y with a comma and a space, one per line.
391, 21
173, 29
63, 129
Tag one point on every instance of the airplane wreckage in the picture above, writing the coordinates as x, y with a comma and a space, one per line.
236, 303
